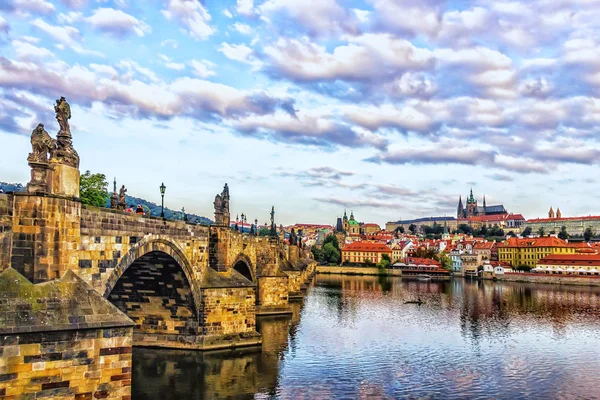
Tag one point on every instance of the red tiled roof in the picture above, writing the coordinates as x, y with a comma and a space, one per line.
588, 218
366, 246
484, 245
548, 241
373, 225
423, 261
571, 259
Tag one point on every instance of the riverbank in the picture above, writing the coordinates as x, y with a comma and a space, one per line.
343, 270
550, 279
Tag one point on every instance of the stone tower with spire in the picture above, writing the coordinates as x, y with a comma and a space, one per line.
471, 205
460, 212
551, 213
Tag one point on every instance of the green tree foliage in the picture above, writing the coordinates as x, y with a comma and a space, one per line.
401, 229
93, 189
386, 257
465, 228
412, 228
383, 263
541, 231
331, 255
264, 231
333, 240
563, 234
588, 234
526, 231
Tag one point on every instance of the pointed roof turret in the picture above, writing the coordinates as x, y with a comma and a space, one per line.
484, 201
551, 213
558, 213
460, 211
471, 198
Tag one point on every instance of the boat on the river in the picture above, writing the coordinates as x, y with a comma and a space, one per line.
423, 277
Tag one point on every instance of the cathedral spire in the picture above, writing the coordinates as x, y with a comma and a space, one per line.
551, 213
460, 211
484, 201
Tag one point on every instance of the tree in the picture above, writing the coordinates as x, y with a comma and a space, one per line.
383, 263
412, 228
401, 229
264, 231
465, 228
386, 257
563, 234
588, 234
331, 238
527, 231
524, 268
317, 253
331, 254
93, 189
541, 231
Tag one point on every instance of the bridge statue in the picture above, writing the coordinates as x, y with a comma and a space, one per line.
222, 207
65, 153
42, 144
293, 238
122, 204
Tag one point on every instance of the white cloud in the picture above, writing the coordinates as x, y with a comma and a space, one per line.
117, 22
70, 17
74, 3
192, 15
34, 6
66, 35
318, 18
227, 13
170, 42
244, 29
168, 63
4, 27
131, 66
27, 51
369, 57
237, 52
203, 68
102, 69
245, 7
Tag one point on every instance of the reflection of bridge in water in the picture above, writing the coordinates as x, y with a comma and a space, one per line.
65, 267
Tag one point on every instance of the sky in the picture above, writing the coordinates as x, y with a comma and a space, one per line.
389, 108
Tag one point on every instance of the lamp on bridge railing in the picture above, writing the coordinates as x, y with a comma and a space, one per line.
162, 205
256, 227
243, 219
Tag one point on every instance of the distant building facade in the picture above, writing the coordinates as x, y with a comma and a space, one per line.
555, 222
472, 208
359, 252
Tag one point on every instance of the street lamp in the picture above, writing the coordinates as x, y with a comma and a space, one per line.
243, 219
162, 205
256, 227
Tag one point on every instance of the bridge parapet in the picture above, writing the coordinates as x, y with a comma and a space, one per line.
6, 211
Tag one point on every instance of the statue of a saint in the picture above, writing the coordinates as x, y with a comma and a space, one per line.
65, 153
63, 114
122, 204
41, 144
293, 238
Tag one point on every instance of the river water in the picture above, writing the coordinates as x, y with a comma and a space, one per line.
355, 337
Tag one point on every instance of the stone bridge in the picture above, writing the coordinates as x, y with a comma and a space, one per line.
80, 285
184, 285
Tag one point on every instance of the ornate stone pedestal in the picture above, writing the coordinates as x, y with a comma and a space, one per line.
40, 177
65, 180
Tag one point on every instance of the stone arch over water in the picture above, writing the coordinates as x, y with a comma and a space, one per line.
243, 265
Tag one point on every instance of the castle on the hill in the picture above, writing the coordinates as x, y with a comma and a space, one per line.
474, 210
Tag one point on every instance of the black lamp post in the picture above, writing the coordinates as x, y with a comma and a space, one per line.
243, 219
162, 205
256, 227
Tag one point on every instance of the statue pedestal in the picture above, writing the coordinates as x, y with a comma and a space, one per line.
40, 178
65, 180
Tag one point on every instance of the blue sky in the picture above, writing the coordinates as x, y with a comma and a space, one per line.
391, 108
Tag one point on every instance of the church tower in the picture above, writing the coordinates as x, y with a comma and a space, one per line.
471, 205
558, 213
345, 222
551, 213
460, 211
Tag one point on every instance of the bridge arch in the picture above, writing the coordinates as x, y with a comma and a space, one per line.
244, 266
154, 244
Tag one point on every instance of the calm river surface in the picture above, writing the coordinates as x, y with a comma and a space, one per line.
354, 337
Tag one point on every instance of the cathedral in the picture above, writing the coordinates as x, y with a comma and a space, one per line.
474, 210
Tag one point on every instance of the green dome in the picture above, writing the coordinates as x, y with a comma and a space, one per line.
352, 222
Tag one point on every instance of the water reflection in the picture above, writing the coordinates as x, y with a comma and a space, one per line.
356, 337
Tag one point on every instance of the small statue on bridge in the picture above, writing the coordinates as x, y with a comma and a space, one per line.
122, 204
222, 207
65, 153
293, 238
273, 231
42, 144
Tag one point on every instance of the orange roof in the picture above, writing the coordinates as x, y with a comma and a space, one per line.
423, 261
588, 218
571, 259
483, 245
548, 241
368, 247
373, 225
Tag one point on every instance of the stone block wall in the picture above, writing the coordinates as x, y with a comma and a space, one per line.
155, 294
107, 236
6, 212
295, 281
273, 291
227, 311
45, 236
84, 364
